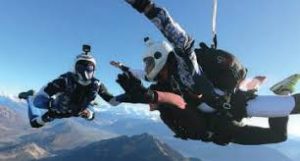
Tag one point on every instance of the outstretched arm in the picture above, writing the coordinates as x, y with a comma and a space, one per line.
172, 31
139, 94
164, 22
130, 81
189, 73
138, 73
109, 98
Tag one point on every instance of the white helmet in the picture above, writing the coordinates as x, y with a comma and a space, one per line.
85, 65
155, 57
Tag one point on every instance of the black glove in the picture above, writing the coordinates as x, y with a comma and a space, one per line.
139, 5
134, 89
87, 114
130, 83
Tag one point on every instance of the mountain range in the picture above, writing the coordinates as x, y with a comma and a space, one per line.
66, 137
142, 147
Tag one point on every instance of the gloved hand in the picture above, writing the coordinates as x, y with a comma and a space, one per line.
87, 114
134, 88
139, 5
130, 83
120, 66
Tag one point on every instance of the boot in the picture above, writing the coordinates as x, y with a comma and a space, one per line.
25, 95
286, 86
36, 123
296, 109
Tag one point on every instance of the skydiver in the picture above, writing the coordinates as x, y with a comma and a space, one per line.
71, 94
178, 37
189, 123
181, 62
187, 72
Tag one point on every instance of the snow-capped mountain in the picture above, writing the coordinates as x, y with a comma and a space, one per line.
137, 111
12, 102
128, 119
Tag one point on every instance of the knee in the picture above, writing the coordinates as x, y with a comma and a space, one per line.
222, 140
280, 137
40, 101
297, 98
279, 127
297, 103
284, 137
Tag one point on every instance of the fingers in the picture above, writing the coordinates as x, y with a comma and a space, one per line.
122, 78
133, 77
115, 64
123, 81
130, 74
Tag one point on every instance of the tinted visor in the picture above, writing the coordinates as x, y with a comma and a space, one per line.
86, 70
149, 64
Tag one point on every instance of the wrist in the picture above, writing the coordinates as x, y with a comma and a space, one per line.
151, 96
149, 8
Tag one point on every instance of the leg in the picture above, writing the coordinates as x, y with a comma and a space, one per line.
296, 109
279, 125
33, 113
36, 119
286, 86
277, 132
41, 100
186, 124
252, 135
277, 106
272, 106
40, 121
226, 130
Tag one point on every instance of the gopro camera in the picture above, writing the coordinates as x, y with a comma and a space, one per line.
86, 48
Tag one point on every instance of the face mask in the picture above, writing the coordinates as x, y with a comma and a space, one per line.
85, 72
149, 64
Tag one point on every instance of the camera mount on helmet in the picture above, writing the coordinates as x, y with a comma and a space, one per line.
86, 49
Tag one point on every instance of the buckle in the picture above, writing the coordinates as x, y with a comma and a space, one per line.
226, 106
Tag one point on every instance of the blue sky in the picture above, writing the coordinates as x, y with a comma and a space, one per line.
39, 39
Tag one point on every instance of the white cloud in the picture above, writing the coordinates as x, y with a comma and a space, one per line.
130, 110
